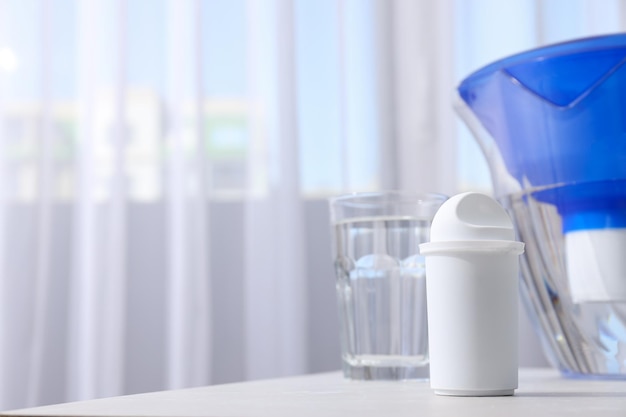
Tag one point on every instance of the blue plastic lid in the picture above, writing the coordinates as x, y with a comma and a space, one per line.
558, 116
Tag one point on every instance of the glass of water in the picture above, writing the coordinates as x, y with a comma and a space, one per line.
380, 282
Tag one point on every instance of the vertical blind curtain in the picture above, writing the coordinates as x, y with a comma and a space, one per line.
163, 164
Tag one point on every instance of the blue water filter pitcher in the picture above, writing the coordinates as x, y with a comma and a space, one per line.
552, 125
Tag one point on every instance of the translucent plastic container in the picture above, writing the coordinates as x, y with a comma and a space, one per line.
552, 125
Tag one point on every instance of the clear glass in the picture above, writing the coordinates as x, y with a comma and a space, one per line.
380, 282
582, 339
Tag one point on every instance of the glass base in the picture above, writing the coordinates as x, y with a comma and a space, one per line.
391, 373
577, 375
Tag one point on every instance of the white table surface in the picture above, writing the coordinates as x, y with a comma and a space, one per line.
542, 392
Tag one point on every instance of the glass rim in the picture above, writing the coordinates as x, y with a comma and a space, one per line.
376, 198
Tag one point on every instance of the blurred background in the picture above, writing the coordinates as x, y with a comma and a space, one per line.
165, 164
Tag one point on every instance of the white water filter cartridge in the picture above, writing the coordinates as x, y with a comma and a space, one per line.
596, 265
472, 288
